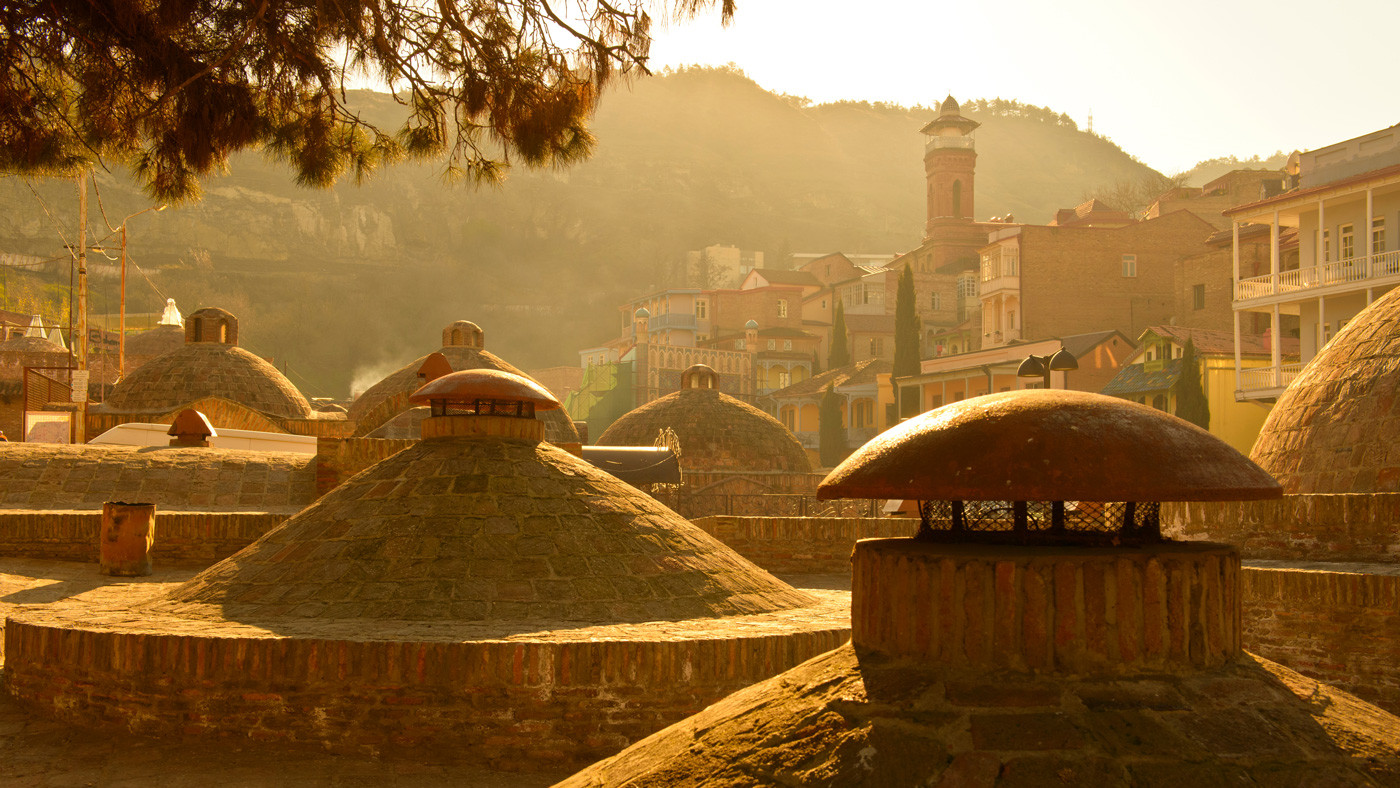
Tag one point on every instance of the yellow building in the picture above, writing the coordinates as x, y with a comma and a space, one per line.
1152, 376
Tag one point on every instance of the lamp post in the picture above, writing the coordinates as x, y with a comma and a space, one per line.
1041, 366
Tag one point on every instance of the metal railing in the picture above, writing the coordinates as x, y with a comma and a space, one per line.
1337, 272
948, 142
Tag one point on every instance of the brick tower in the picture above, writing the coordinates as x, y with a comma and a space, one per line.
950, 158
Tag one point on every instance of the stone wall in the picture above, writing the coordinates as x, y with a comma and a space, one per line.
337, 459
1296, 527
1338, 623
180, 537
53, 476
517, 705
802, 545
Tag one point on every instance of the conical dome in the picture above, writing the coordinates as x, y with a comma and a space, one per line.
1334, 430
485, 529
715, 430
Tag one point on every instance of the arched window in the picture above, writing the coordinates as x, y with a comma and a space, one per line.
957, 199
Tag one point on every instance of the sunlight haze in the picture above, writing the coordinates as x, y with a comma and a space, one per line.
1172, 88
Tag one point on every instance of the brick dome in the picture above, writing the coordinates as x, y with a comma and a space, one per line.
1333, 431
716, 431
843, 719
484, 529
463, 347
26, 345
208, 369
155, 342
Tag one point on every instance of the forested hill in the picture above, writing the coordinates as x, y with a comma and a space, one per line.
333, 283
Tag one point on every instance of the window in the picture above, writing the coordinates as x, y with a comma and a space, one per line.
1348, 234
772, 344
1177, 352
789, 419
1152, 353
935, 301
701, 309
1198, 296
787, 344
1326, 245
782, 307
877, 346
1129, 265
1159, 402
1377, 234
784, 379
957, 199
739, 344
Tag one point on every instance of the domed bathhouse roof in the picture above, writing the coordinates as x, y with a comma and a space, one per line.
463, 346
504, 597
1002, 651
715, 430
1335, 428
26, 344
201, 370
154, 342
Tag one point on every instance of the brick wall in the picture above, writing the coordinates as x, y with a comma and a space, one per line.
180, 537
1296, 527
54, 476
802, 545
337, 459
1340, 625
1072, 278
516, 705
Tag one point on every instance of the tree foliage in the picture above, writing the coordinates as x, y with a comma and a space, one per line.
173, 87
1191, 402
839, 354
831, 434
906, 327
1134, 195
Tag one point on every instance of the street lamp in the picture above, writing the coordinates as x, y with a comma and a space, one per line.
1041, 366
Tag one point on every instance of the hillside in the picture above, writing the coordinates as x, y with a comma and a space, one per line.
336, 283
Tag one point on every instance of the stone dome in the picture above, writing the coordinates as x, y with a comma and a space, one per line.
26, 345
716, 431
498, 530
949, 104
388, 398
1335, 428
156, 341
208, 369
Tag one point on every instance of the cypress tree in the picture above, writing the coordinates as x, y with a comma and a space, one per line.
840, 352
831, 435
906, 328
1191, 402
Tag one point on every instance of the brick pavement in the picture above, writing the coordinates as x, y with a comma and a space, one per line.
37, 751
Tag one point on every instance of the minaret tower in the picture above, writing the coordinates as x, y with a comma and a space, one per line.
950, 158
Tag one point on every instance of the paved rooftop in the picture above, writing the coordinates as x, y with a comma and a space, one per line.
36, 751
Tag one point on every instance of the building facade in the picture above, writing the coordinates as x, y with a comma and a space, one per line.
1332, 251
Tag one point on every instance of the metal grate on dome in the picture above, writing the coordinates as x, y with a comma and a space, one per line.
1040, 522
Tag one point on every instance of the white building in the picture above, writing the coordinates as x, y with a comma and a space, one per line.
1333, 250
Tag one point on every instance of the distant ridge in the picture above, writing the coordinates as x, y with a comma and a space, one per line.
328, 282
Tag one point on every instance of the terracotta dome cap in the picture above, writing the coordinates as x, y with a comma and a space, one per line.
700, 377
473, 384
1039, 445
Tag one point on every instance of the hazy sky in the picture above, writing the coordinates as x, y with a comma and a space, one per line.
1172, 83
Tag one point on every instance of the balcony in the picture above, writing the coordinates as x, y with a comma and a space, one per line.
671, 320
1358, 271
1266, 382
939, 143
997, 284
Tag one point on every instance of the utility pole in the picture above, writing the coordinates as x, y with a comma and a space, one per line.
79, 379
